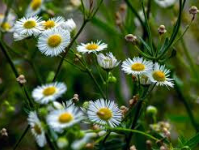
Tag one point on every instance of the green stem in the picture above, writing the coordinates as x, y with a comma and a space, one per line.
134, 131
22, 136
143, 54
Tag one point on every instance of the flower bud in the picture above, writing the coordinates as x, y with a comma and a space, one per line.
131, 38
75, 98
11, 109
21, 79
86, 105
151, 110
149, 144
193, 10
95, 127
133, 101
43, 111
62, 142
162, 30
89, 146
112, 79
50, 76
124, 109
122, 8
163, 148
4, 132
133, 147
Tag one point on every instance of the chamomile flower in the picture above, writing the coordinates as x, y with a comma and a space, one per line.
165, 3
107, 61
49, 92
160, 76
104, 112
137, 66
8, 24
64, 118
36, 128
69, 25
28, 26
53, 42
91, 47
53, 22
34, 8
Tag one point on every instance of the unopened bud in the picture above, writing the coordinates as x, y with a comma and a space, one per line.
151, 110
75, 98
122, 8
131, 38
21, 79
133, 147
133, 101
149, 144
62, 142
4, 132
86, 105
163, 148
162, 30
124, 110
95, 127
193, 10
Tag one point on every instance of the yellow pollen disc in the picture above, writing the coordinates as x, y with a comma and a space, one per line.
65, 118
54, 40
138, 67
92, 46
37, 129
49, 24
6, 26
29, 24
35, 4
49, 91
159, 76
104, 113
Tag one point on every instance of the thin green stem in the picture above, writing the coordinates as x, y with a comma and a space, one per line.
22, 136
143, 54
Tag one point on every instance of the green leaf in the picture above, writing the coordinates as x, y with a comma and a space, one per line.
193, 142
145, 45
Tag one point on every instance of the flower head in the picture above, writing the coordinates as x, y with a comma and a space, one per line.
64, 118
28, 26
137, 66
34, 8
69, 25
36, 128
53, 42
49, 92
91, 47
53, 22
107, 61
104, 112
160, 76
8, 24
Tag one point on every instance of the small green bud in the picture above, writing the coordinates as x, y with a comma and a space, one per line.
62, 142
86, 105
151, 110
81, 134
6, 103
112, 79
50, 76
43, 111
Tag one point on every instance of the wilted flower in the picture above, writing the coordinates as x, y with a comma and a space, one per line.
107, 61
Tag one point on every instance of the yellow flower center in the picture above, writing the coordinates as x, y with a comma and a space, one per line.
159, 76
65, 118
54, 40
104, 113
37, 129
6, 26
92, 46
35, 4
138, 67
29, 24
49, 24
49, 91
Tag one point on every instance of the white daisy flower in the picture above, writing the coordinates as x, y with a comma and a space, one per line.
137, 66
107, 61
34, 8
69, 25
36, 128
91, 47
49, 92
104, 112
64, 118
9, 23
53, 22
160, 76
53, 42
28, 26
165, 3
